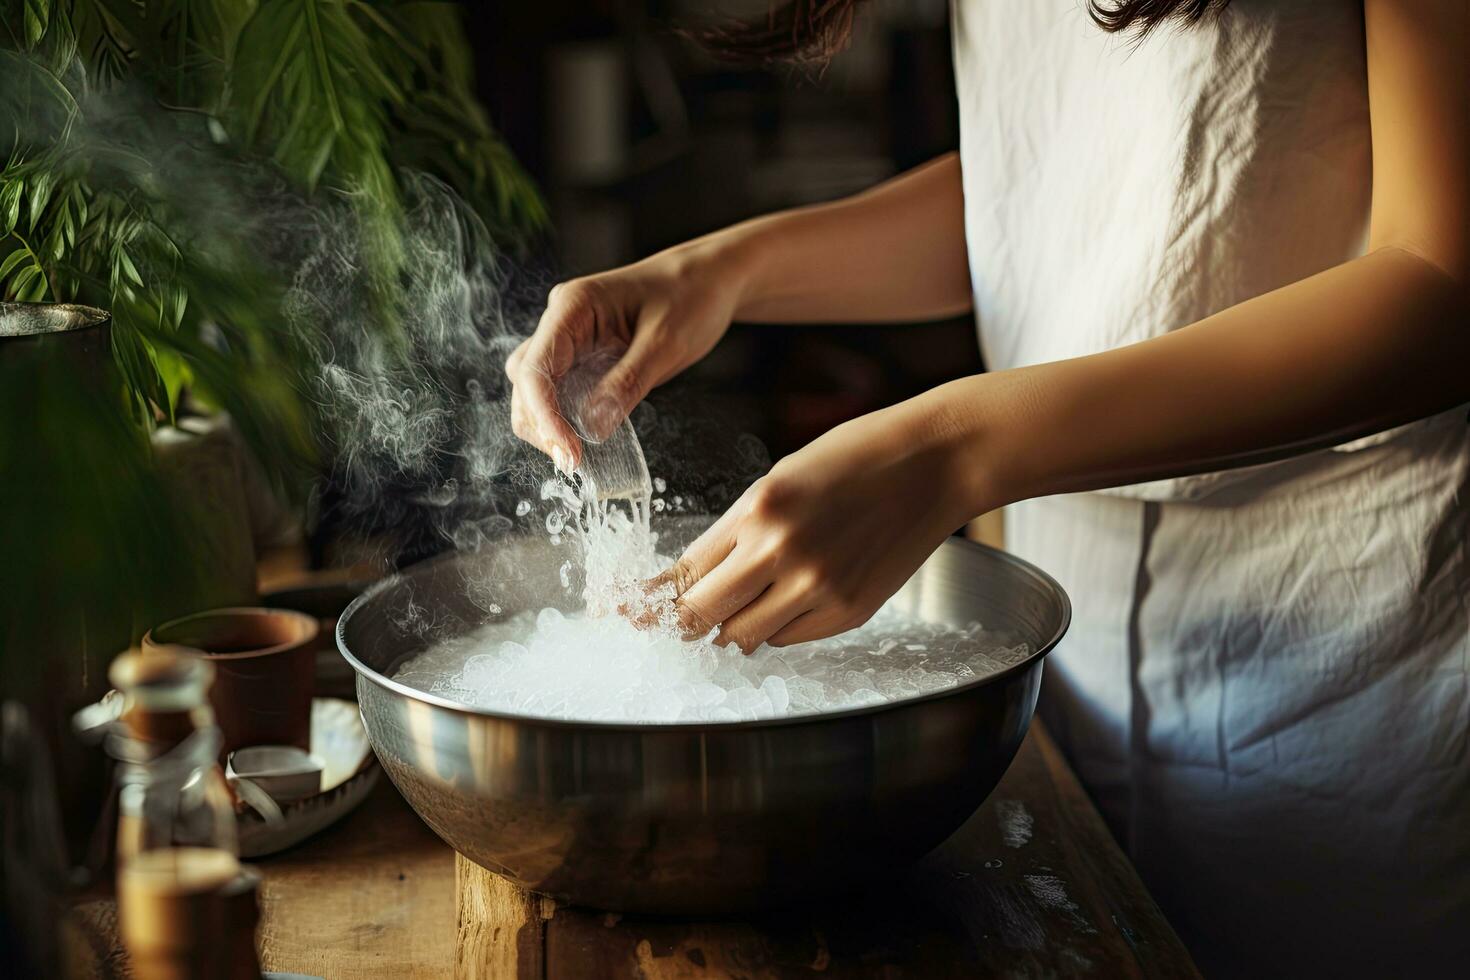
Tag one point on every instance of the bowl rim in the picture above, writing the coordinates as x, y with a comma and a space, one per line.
88, 318
1032, 659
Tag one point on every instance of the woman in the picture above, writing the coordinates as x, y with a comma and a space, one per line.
1219, 267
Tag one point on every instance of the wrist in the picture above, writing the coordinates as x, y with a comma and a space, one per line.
742, 257
956, 427
727, 261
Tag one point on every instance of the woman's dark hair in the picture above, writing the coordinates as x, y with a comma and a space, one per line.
812, 32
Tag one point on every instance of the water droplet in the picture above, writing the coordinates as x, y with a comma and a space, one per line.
555, 521
523, 508
659, 485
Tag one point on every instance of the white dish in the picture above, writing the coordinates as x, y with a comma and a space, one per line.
349, 772
285, 772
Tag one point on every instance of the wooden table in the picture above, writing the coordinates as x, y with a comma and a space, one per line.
1032, 886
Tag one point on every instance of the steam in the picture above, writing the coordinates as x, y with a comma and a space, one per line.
410, 378
408, 332
412, 388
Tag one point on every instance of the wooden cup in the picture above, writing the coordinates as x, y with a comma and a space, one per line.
264, 670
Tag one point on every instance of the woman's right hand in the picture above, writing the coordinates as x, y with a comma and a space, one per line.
664, 313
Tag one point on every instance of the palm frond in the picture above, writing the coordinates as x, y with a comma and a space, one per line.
338, 96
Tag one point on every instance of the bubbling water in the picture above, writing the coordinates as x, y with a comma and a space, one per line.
595, 665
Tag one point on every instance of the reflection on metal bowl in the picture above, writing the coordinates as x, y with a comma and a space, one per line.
698, 819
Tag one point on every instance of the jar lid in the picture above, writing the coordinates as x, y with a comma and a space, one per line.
162, 688
162, 678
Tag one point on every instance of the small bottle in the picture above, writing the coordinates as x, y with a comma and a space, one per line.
171, 790
186, 908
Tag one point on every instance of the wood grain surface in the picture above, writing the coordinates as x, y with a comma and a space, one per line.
371, 897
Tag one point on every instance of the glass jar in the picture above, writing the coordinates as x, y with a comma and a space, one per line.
171, 789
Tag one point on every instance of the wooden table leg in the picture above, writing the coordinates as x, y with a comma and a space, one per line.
502, 927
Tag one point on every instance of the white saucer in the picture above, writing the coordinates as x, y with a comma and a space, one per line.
350, 771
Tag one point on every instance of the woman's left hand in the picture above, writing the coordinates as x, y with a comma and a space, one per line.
819, 543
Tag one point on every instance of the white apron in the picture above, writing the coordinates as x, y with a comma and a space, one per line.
1266, 685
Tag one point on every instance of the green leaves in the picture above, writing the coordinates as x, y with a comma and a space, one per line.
99, 99
441, 128
13, 261
26, 276
308, 87
10, 197
40, 194
135, 137
23, 271
37, 14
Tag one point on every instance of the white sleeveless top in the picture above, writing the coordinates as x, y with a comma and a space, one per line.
1265, 683
1115, 190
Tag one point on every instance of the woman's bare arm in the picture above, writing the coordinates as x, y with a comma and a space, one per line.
1360, 347
896, 252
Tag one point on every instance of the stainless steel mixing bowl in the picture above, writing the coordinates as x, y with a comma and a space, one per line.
697, 819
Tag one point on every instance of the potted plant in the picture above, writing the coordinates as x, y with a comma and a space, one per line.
136, 137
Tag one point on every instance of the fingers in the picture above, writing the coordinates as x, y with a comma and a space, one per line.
521, 422
628, 381
758, 622
720, 581
580, 315
534, 368
814, 624
537, 388
524, 426
700, 558
748, 576
733, 584
707, 551
514, 360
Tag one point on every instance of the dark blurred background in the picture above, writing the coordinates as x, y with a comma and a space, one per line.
640, 140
